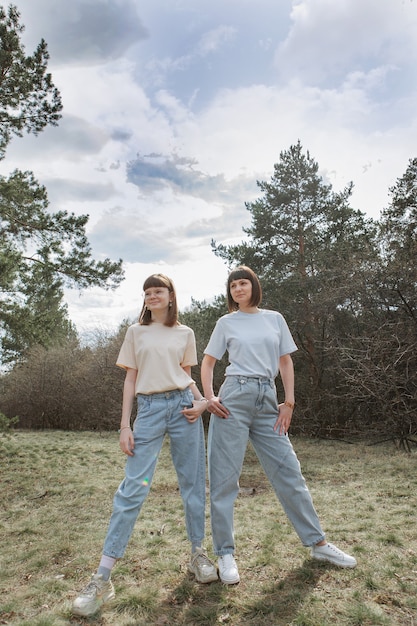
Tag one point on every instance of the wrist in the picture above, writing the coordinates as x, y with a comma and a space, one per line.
203, 399
289, 404
122, 428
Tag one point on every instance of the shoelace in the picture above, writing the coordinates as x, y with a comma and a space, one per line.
91, 588
225, 558
202, 559
333, 549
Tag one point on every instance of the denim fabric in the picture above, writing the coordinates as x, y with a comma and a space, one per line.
159, 415
253, 407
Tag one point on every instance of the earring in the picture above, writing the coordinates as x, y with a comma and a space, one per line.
170, 305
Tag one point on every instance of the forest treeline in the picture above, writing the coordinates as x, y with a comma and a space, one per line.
346, 284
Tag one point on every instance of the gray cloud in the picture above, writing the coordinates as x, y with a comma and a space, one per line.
228, 225
121, 134
82, 31
132, 238
73, 137
156, 171
64, 190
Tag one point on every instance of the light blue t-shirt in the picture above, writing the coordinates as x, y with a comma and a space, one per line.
254, 341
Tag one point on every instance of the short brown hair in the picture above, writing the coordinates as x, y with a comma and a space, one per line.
160, 280
244, 272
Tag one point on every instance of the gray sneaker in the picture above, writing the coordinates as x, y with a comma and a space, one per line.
93, 596
331, 554
201, 566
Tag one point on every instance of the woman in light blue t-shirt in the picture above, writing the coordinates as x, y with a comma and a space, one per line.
259, 346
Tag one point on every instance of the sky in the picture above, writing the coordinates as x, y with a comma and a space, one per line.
174, 109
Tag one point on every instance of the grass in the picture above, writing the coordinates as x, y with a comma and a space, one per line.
57, 490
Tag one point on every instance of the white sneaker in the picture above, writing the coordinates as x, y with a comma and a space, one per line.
330, 553
93, 596
228, 572
201, 566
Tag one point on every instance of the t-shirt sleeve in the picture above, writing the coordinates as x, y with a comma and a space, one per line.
127, 358
287, 343
217, 344
190, 352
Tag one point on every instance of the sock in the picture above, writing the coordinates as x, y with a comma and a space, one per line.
194, 546
106, 566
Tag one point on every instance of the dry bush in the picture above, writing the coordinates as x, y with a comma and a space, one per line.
66, 387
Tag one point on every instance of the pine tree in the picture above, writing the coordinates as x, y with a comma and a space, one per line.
40, 251
311, 251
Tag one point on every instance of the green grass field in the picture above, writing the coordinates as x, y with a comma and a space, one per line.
56, 496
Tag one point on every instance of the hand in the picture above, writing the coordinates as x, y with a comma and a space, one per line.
127, 442
216, 407
192, 413
284, 419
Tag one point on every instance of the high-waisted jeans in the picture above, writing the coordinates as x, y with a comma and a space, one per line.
253, 407
159, 415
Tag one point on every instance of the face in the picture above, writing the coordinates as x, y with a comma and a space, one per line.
157, 298
241, 291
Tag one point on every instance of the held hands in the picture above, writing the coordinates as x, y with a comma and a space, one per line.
216, 407
127, 443
193, 413
284, 419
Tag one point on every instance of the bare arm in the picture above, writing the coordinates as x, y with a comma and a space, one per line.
126, 436
286, 370
199, 404
214, 403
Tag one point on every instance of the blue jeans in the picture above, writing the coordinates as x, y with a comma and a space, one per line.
159, 415
253, 407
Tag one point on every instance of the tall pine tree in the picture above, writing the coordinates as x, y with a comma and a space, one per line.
40, 251
311, 251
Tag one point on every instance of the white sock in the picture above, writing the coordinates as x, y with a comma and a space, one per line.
106, 566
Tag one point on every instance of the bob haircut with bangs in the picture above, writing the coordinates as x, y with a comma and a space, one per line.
244, 272
160, 280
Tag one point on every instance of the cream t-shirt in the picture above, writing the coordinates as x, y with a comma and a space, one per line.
158, 353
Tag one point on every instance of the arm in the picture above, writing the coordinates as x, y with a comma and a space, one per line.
199, 404
126, 436
286, 370
214, 402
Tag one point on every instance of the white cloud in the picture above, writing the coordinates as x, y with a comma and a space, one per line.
329, 39
214, 39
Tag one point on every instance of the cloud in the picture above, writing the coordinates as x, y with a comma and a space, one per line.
63, 190
213, 40
73, 138
165, 227
131, 236
328, 40
83, 31
154, 172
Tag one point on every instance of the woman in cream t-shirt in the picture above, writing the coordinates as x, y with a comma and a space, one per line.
157, 355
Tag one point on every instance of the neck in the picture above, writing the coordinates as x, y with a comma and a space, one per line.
159, 317
249, 309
